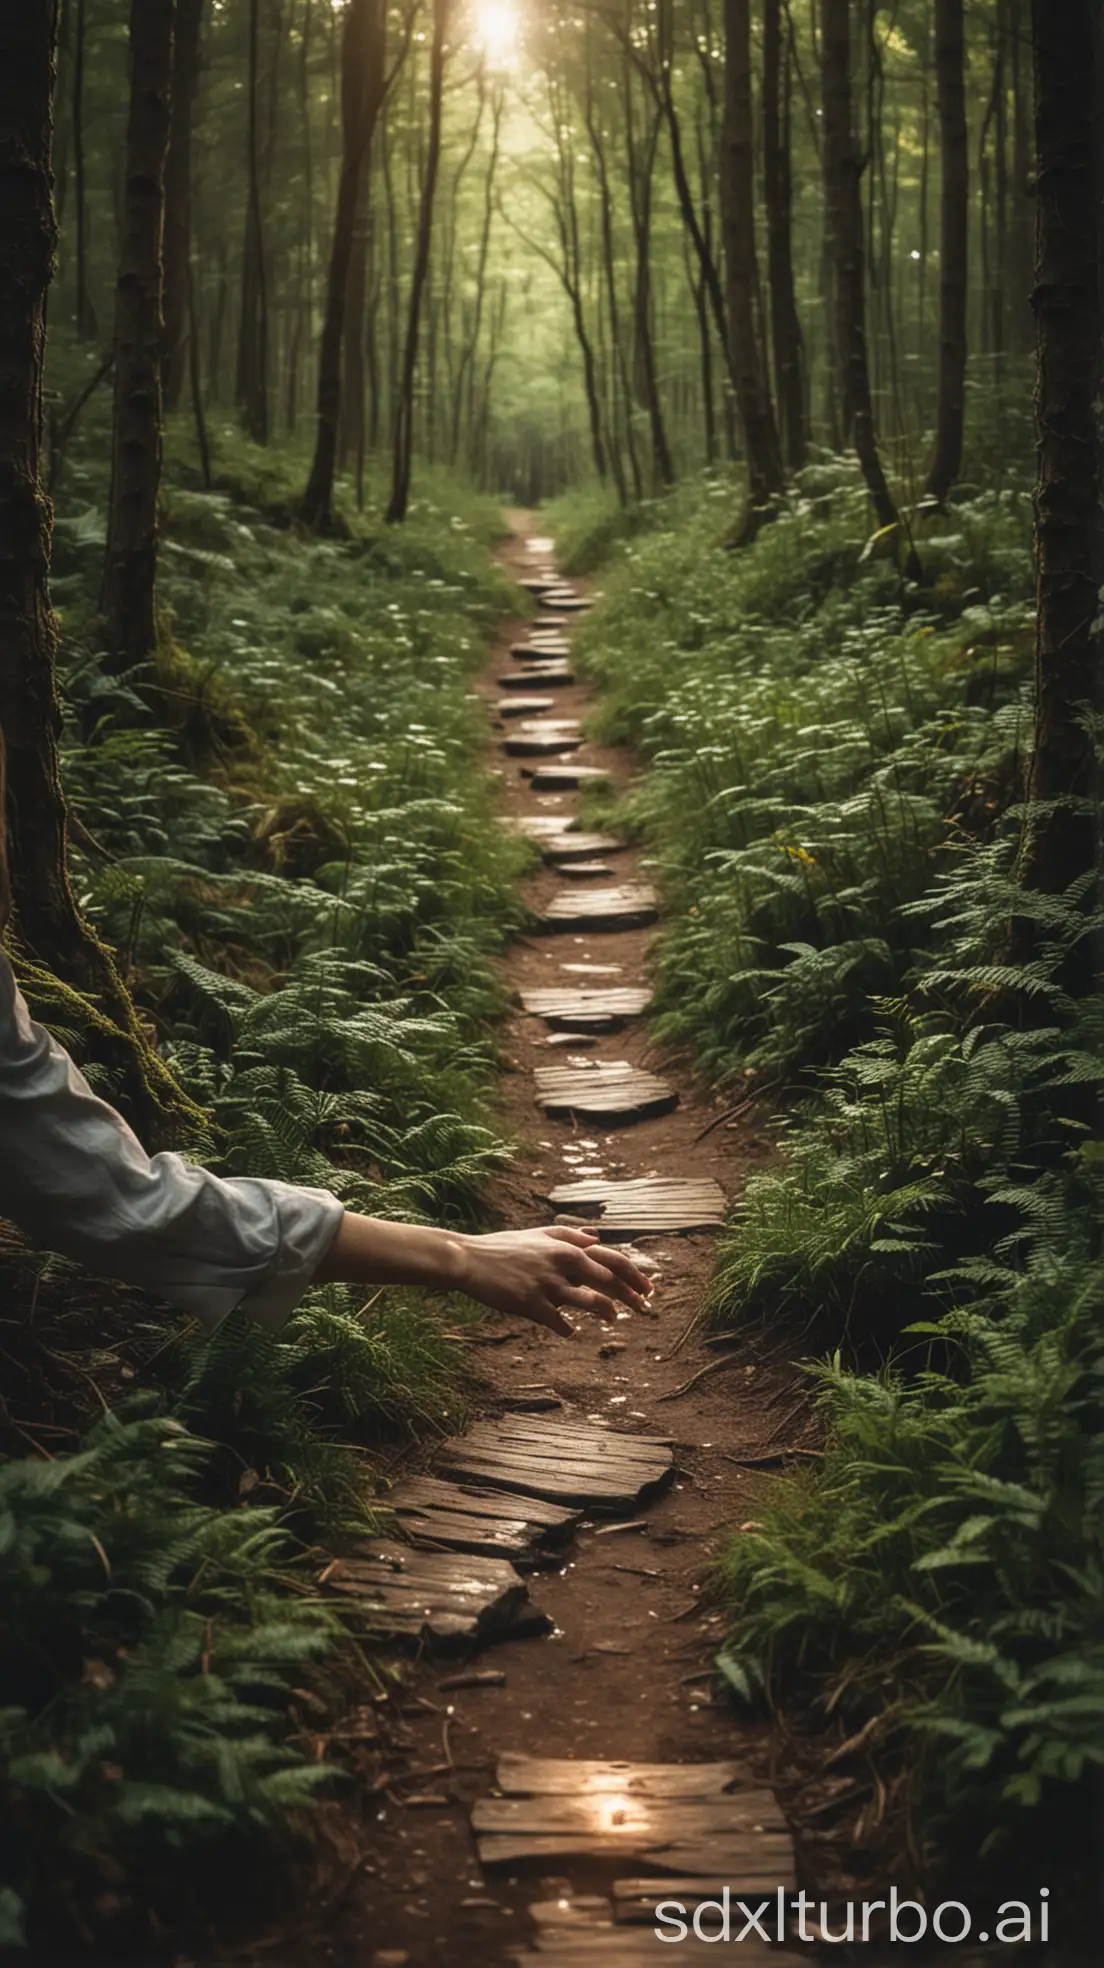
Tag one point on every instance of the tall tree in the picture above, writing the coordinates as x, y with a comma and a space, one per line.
950, 72
404, 418
842, 166
85, 312
786, 343
362, 92
178, 198
766, 475
1061, 839
128, 594
48, 923
252, 377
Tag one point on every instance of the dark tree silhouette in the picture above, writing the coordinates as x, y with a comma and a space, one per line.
786, 343
404, 417
766, 476
950, 71
178, 198
128, 597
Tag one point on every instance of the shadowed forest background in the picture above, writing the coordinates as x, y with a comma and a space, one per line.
790, 314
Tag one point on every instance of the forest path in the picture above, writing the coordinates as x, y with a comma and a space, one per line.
626, 1671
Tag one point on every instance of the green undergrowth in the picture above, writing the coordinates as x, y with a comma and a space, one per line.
834, 806
284, 828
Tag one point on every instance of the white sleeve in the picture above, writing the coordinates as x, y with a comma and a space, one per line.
76, 1178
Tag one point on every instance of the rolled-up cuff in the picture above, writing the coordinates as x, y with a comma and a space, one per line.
309, 1222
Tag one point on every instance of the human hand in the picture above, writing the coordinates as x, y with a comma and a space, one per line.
537, 1273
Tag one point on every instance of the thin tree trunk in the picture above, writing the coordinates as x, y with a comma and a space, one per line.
844, 224
620, 365
178, 198
950, 417
404, 419
252, 379
85, 312
128, 594
766, 475
641, 185
1021, 229
362, 90
464, 394
1069, 56
778, 197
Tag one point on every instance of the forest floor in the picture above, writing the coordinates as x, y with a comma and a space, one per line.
627, 1671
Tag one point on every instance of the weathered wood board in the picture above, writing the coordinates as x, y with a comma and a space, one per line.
612, 1089
566, 603
586, 870
539, 649
686, 1819
565, 1463
560, 778
436, 1597
519, 706
566, 848
551, 743
539, 584
545, 675
587, 1010
632, 905
461, 1517
644, 1205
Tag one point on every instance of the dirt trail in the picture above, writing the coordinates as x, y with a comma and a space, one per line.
626, 1673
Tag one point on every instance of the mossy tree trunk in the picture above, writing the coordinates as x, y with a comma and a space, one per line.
128, 602
47, 923
766, 475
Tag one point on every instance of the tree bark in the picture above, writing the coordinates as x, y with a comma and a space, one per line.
404, 418
1069, 75
843, 167
1021, 229
128, 594
766, 475
46, 920
362, 91
786, 341
85, 312
178, 199
950, 71
252, 378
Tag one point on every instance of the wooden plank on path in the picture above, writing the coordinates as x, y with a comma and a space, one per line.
587, 1010
539, 648
462, 1517
612, 1089
519, 706
544, 675
564, 848
565, 1463
690, 1820
547, 743
437, 1597
560, 778
644, 1205
633, 905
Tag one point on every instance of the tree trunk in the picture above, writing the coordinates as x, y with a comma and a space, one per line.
950, 419
766, 476
128, 599
362, 90
1069, 58
641, 187
85, 312
178, 199
464, 396
404, 418
47, 922
778, 197
252, 378
1021, 229
843, 167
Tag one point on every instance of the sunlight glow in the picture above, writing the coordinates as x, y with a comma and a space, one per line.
496, 28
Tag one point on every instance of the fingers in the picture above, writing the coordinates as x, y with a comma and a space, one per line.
587, 1270
587, 1300
553, 1318
566, 1233
623, 1267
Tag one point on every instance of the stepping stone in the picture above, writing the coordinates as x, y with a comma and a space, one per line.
561, 778
649, 1205
548, 743
632, 906
515, 707
683, 1818
577, 1930
557, 1040
568, 848
563, 1462
543, 674
459, 1517
539, 651
429, 1597
587, 1010
613, 1089
541, 544
538, 584
568, 602
586, 870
